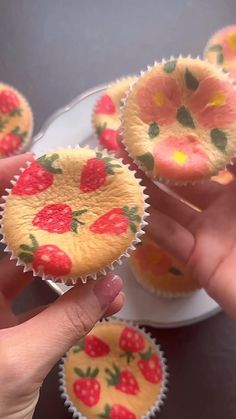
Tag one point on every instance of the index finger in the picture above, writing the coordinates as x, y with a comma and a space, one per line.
10, 167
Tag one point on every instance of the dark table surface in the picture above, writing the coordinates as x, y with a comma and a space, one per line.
53, 50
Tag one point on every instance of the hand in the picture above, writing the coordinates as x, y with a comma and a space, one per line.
199, 229
30, 344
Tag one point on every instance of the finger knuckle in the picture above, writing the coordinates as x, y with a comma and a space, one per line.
79, 319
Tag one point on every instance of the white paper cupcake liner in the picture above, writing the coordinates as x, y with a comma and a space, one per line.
161, 179
92, 275
120, 80
160, 293
154, 409
25, 145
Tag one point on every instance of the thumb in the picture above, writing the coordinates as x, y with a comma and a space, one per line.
52, 332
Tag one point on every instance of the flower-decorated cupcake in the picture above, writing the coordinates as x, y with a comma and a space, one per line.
221, 49
72, 214
16, 121
158, 272
179, 121
116, 372
106, 114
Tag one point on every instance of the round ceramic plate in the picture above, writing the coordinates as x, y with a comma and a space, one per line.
71, 126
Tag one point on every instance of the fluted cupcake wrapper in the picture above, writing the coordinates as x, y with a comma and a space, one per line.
154, 409
93, 275
161, 179
25, 145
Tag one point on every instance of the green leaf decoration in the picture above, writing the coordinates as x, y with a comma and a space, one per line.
133, 228
2, 124
26, 257
94, 373
128, 355
219, 139
113, 375
175, 271
184, 117
106, 413
16, 112
216, 48
191, 82
146, 355
170, 66
34, 242
25, 247
153, 130
101, 128
79, 212
220, 58
79, 346
79, 372
147, 161
74, 226
47, 161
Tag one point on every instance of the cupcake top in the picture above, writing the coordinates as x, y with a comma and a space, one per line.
106, 114
221, 49
179, 121
117, 371
73, 213
159, 272
16, 121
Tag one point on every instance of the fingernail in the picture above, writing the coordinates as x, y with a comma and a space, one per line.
107, 289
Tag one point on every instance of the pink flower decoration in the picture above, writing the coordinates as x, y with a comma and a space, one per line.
158, 100
181, 158
227, 38
214, 103
152, 259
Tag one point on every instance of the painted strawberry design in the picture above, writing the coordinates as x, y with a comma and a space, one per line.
38, 176
93, 346
105, 105
117, 221
48, 259
116, 411
9, 103
150, 366
122, 380
131, 341
95, 171
11, 142
58, 218
108, 138
87, 388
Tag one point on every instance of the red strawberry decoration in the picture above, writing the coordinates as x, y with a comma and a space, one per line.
122, 380
95, 171
87, 388
93, 346
38, 176
105, 105
108, 138
116, 411
11, 142
150, 367
131, 341
48, 259
9, 102
58, 218
116, 221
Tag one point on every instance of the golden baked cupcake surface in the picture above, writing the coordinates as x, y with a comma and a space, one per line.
221, 49
116, 371
179, 120
158, 272
72, 213
106, 114
16, 121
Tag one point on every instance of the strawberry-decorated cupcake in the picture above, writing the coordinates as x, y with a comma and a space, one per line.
158, 272
72, 214
16, 121
221, 50
179, 121
116, 372
106, 114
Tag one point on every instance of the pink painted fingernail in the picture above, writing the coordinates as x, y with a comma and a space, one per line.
107, 289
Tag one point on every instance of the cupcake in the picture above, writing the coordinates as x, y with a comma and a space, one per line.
158, 272
117, 372
106, 114
72, 214
16, 121
179, 121
221, 50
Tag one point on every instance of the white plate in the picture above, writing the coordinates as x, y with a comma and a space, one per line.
70, 126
